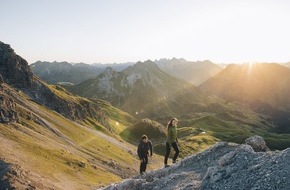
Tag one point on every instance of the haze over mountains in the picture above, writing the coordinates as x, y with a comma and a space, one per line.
193, 72
59, 72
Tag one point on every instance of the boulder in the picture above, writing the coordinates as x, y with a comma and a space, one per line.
7, 110
257, 143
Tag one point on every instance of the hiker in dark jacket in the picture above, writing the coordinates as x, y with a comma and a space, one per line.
143, 151
171, 141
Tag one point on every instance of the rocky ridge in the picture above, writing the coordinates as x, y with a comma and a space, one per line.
223, 166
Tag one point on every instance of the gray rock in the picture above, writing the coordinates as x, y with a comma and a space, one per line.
13, 68
257, 143
8, 111
226, 159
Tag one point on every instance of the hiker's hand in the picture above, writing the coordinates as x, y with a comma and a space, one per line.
141, 160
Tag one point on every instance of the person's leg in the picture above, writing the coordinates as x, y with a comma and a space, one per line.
167, 153
142, 166
145, 163
176, 149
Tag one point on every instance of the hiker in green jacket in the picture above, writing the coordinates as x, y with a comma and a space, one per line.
171, 141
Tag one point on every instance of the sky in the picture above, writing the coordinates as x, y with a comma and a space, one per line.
117, 31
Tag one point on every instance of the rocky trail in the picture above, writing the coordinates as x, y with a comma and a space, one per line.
223, 166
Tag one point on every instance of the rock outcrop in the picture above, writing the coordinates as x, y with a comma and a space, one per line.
8, 111
223, 166
15, 70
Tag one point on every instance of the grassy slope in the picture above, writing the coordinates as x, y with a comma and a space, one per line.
118, 120
237, 132
64, 153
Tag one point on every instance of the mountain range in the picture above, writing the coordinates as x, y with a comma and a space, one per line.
135, 89
65, 73
54, 139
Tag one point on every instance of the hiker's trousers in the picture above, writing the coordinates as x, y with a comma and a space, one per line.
176, 149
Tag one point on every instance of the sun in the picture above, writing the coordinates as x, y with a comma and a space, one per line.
250, 66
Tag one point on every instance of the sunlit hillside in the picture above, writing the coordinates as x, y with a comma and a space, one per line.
268, 83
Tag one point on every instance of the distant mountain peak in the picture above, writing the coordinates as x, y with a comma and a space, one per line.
108, 72
144, 66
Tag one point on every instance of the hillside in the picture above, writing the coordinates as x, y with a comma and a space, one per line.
192, 72
44, 150
51, 139
223, 166
248, 83
265, 87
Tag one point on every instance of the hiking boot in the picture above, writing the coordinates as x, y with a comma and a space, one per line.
174, 161
166, 166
